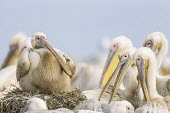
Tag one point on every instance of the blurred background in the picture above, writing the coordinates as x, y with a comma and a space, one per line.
78, 27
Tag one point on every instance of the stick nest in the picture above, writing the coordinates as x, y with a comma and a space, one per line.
15, 101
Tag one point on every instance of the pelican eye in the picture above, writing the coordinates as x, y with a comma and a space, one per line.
124, 57
148, 43
37, 37
138, 60
128, 108
114, 45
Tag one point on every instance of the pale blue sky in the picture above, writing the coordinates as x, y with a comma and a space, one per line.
77, 26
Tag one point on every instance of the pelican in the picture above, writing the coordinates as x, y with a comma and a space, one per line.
126, 68
121, 107
42, 68
35, 104
8, 74
145, 61
13, 53
117, 45
158, 42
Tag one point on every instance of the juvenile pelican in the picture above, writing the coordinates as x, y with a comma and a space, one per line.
44, 69
13, 53
145, 60
158, 42
116, 46
126, 68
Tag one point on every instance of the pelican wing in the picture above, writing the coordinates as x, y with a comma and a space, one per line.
23, 65
68, 60
168, 85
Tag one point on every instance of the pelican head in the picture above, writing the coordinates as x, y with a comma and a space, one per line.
36, 104
116, 46
145, 61
155, 41
159, 44
121, 107
39, 40
36, 37
13, 53
125, 62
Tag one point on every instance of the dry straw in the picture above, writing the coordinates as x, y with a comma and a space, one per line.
15, 101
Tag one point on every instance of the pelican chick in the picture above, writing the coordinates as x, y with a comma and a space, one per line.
35, 104
158, 43
121, 107
145, 61
117, 45
13, 53
44, 69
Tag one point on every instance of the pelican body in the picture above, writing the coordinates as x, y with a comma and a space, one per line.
158, 43
39, 69
145, 60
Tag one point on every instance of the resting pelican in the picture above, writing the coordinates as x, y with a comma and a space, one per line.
44, 69
126, 68
158, 42
145, 60
8, 74
13, 53
116, 46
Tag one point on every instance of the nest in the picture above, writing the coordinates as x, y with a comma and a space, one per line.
15, 101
